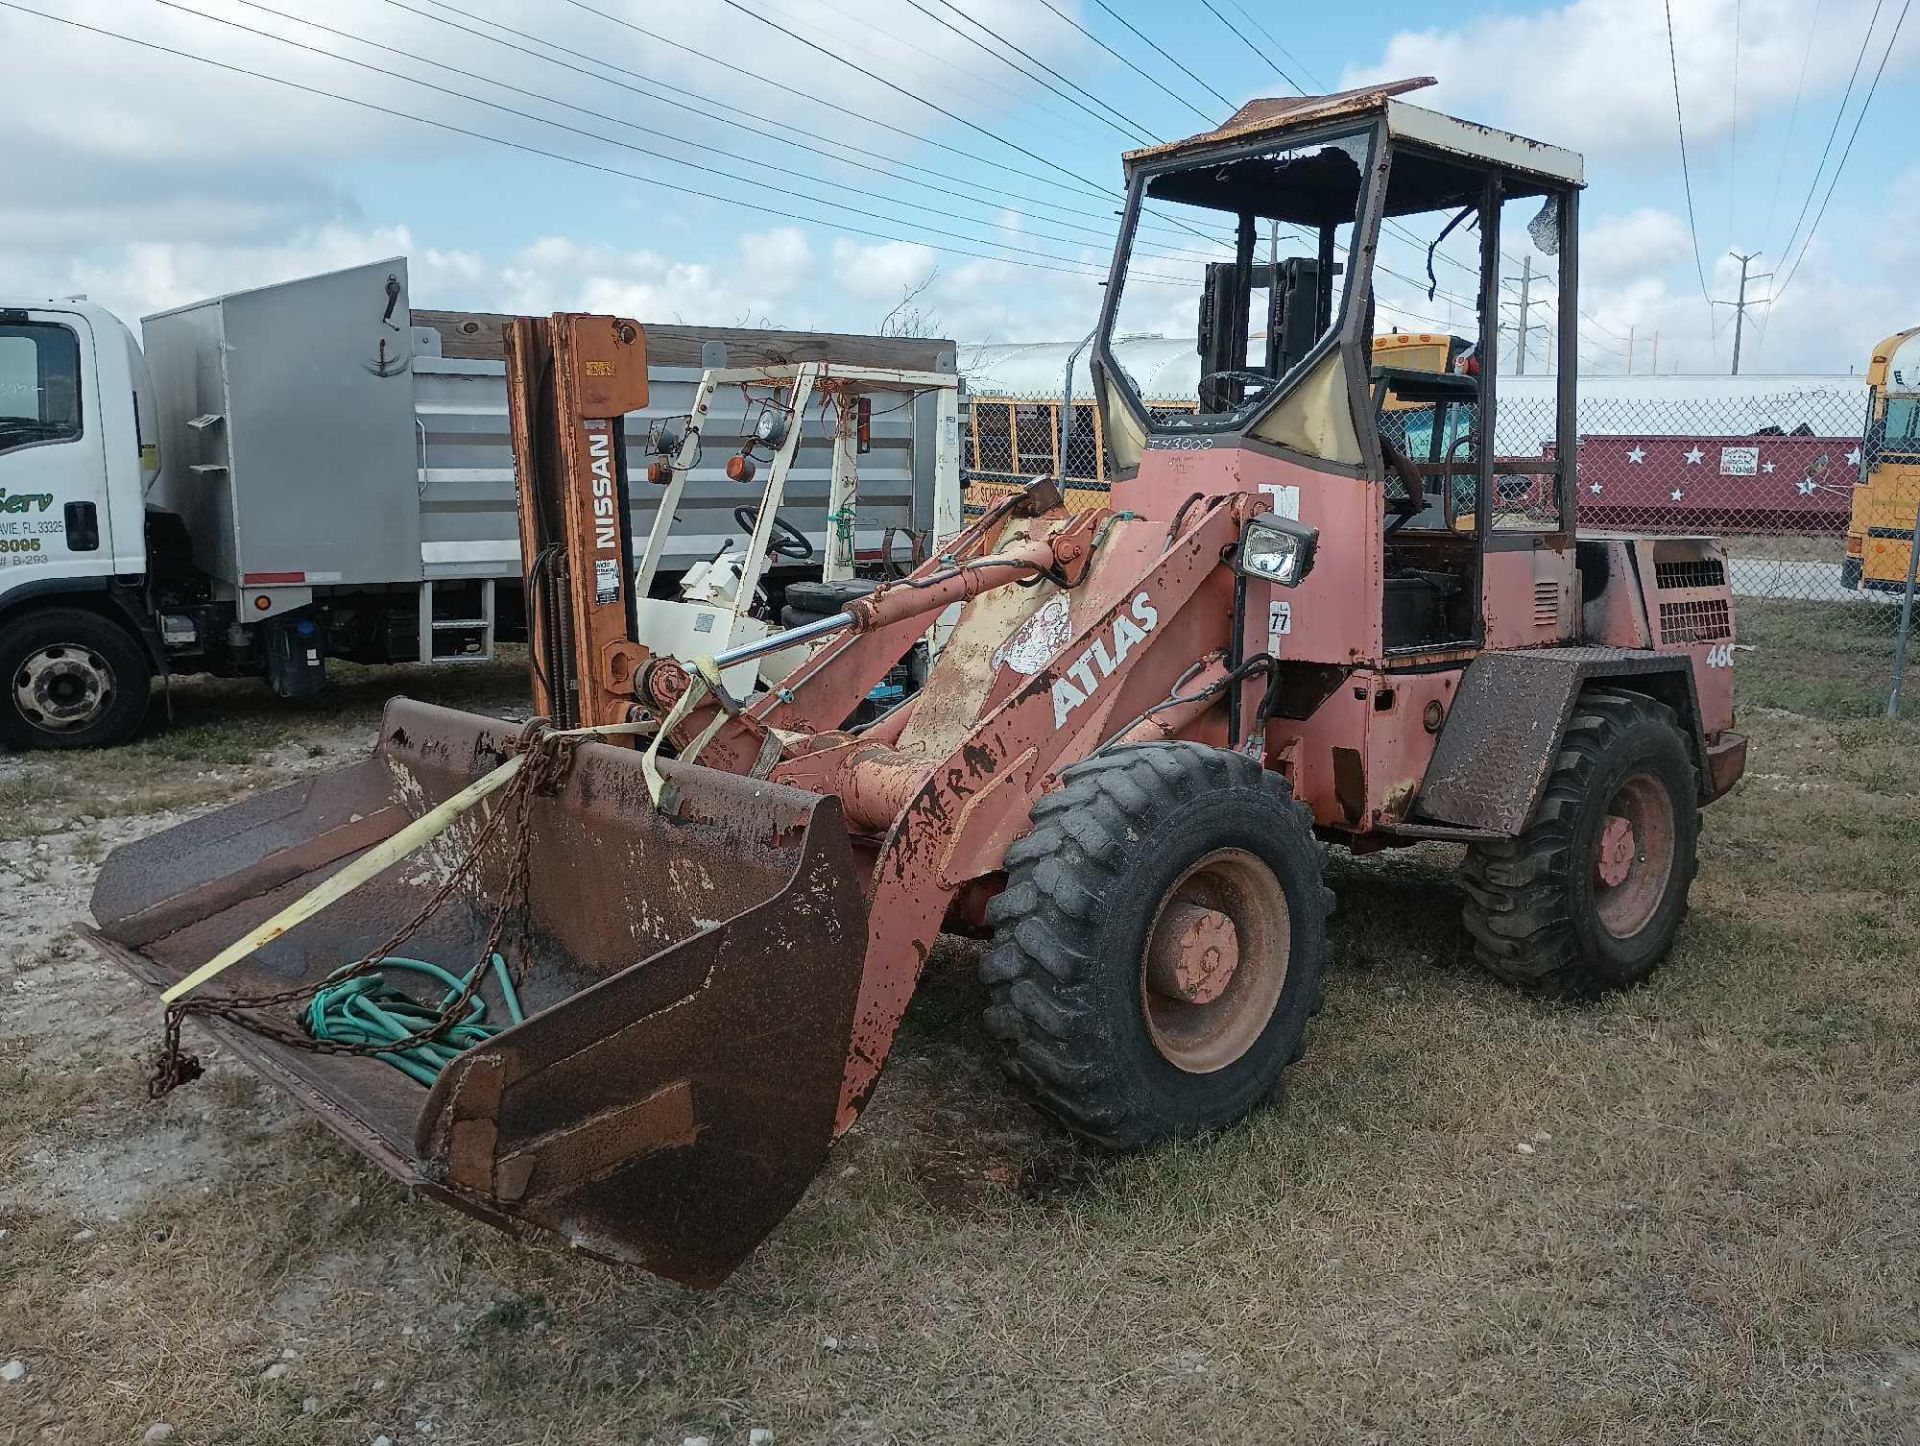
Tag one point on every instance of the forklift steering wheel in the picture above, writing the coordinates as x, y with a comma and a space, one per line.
1255, 380
787, 540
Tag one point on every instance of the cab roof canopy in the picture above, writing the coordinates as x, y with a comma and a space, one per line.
1318, 184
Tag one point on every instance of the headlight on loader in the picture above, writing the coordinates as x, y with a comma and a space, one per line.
1278, 549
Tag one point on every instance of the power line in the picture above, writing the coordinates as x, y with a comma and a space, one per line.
1733, 130
985, 202
1125, 126
1686, 173
1239, 35
459, 130
640, 149
1846, 154
840, 148
1793, 116
864, 118
1157, 50
1274, 40
865, 26
899, 90
1390, 229
1833, 131
1145, 75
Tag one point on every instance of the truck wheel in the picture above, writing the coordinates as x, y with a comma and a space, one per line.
1159, 944
1588, 899
72, 679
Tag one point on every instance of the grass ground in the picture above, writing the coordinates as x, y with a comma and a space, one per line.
1682, 1215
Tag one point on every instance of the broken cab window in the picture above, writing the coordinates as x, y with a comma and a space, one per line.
1245, 260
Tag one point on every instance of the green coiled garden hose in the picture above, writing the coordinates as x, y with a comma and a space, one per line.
366, 1009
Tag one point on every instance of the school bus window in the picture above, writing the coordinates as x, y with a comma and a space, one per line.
993, 436
1034, 431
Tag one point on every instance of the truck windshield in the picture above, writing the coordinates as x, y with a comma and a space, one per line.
1243, 260
39, 384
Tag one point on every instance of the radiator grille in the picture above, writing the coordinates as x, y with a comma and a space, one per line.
1705, 621
1700, 572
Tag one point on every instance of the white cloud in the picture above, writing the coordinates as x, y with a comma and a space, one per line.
1615, 248
1594, 74
177, 180
881, 272
150, 276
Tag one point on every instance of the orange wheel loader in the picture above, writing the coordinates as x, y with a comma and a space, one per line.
1330, 600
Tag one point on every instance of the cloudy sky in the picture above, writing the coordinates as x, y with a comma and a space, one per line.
722, 161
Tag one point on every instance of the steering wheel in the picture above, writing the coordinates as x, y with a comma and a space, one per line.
787, 540
1258, 381
1402, 466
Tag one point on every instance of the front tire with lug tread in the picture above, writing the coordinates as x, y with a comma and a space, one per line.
1159, 945
1587, 900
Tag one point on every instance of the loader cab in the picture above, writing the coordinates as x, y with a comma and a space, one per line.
1357, 274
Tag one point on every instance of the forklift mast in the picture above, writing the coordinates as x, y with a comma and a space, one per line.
571, 380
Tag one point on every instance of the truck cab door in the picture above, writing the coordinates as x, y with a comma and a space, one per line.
53, 461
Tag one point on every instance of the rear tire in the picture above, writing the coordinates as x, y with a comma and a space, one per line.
70, 678
1147, 868
1587, 900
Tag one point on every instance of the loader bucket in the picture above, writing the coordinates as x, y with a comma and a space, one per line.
689, 995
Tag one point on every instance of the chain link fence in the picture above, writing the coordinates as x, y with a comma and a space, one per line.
1818, 532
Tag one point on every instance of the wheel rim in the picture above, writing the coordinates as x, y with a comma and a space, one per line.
1215, 962
1633, 857
63, 687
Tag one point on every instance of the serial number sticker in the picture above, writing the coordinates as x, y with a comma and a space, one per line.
703, 623
1282, 501
1279, 623
606, 580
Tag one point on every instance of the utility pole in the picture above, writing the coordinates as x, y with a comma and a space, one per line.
1633, 327
1523, 328
1740, 306
1656, 352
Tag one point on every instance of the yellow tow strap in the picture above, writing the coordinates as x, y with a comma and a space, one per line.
421, 831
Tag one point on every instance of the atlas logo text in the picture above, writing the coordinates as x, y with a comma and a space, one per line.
1086, 673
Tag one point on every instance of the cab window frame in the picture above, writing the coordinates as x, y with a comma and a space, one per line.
1342, 327
33, 331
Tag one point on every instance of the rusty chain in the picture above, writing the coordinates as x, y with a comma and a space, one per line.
549, 756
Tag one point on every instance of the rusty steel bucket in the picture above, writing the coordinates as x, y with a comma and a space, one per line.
689, 998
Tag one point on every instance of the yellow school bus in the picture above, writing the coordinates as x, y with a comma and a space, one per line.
1880, 535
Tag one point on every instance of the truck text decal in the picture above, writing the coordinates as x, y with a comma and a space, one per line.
24, 501
1128, 632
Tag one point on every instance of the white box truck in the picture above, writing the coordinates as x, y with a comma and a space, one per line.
311, 471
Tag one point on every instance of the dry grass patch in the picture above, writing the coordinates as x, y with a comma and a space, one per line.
1709, 1236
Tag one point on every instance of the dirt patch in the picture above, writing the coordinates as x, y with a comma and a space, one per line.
1709, 1237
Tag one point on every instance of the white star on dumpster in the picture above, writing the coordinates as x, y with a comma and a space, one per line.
1678, 494
1766, 466
1808, 487
1637, 456
1595, 489
1694, 456
1853, 457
